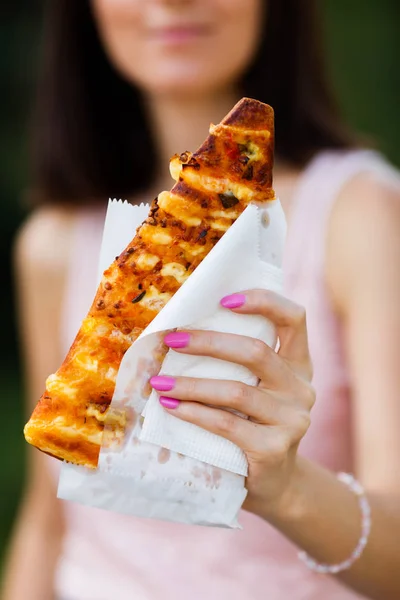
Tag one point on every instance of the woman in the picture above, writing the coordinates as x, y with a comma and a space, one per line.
125, 85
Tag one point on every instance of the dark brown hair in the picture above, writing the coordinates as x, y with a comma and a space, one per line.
92, 137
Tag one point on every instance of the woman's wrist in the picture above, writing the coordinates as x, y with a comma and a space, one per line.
293, 502
289, 504
316, 507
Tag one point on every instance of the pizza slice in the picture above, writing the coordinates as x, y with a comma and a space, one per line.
213, 186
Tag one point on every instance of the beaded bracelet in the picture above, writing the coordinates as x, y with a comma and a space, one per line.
365, 510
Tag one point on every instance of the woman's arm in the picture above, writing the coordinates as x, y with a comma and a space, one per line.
36, 540
41, 256
304, 501
363, 275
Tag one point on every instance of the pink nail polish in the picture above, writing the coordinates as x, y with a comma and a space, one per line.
233, 301
169, 402
161, 383
177, 339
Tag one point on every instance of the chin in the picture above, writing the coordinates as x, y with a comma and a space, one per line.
179, 87
185, 82
172, 77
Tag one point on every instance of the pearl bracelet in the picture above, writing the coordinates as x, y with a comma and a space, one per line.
365, 510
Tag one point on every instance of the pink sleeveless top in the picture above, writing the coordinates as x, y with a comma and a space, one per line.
107, 556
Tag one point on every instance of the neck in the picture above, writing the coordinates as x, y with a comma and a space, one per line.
182, 124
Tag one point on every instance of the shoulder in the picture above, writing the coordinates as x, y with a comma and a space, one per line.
365, 205
42, 252
43, 242
362, 235
41, 258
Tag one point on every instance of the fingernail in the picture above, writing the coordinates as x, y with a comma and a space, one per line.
177, 339
161, 383
169, 402
233, 301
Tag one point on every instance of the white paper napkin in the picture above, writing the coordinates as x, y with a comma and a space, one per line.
235, 264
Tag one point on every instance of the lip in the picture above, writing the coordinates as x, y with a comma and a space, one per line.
180, 34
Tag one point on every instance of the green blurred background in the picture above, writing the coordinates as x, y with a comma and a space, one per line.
362, 39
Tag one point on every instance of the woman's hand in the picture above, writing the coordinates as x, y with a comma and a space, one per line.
278, 408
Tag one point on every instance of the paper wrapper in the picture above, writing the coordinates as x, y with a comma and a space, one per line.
162, 467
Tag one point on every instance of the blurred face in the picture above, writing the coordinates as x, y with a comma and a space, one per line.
180, 46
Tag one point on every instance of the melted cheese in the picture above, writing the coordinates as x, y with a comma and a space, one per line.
218, 186
57, 386
242, 133
122, 337
192, 250
224, 214
86, 362
147, 261
102, 330
88, 325
70, 432
111, 374
253, 151
155, 235
220, 225
155, 300
175, 270
178, 207
91, 325
175, 168
92, 411
117, 417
